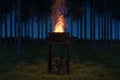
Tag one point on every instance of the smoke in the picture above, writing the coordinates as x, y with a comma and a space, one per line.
58, 9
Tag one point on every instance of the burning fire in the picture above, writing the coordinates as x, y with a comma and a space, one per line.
60, 25
58, 12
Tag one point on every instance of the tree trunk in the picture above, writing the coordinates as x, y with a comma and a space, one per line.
25, 27
50, 26
19, 28
0, 33
81, 31
115, 29
38, 29
118, 29
108, 28
77, 28
102, 26
32, 22
94, 28
42, 29
6, 26
22, 32
111, 32
46, 22
28, 28
91, 23
15, 25
71, 26
11, 27
105, 29
99, 25
85, 23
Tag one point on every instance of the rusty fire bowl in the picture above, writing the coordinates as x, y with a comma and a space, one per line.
58, 37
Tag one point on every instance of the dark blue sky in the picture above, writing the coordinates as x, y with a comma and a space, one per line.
67, 28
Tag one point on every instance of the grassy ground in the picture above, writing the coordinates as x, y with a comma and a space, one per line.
85, 63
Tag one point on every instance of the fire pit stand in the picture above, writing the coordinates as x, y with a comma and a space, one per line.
58, 65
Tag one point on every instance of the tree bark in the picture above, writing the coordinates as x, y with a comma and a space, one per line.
28, 28
46, 26
111, 33
38, 29
91, 23
15, 25
115, 29
32, 22
94, 29
50, 26
11, 27
71, 26
6, 26
42, 29
19, 28
22, 33
32, 30
99, 25
85, 23
108, 27
81, 31
77, 28
105, 29
0, 33
25, 27
102, 24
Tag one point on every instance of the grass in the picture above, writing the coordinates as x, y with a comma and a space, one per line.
85, 63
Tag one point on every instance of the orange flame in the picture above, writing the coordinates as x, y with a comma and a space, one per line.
58, 12
60, 25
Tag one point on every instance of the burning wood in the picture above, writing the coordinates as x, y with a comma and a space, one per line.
59, 22
58, 19
60, 25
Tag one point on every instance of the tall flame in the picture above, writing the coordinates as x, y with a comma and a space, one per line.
60, 25
58, 12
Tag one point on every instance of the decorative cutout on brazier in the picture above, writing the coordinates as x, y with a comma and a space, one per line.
59, 65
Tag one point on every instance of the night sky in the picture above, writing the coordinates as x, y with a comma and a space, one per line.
68, 28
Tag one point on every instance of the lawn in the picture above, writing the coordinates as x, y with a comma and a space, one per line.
86, 63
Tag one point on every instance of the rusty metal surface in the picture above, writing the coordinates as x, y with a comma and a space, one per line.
56, 64
58, 37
